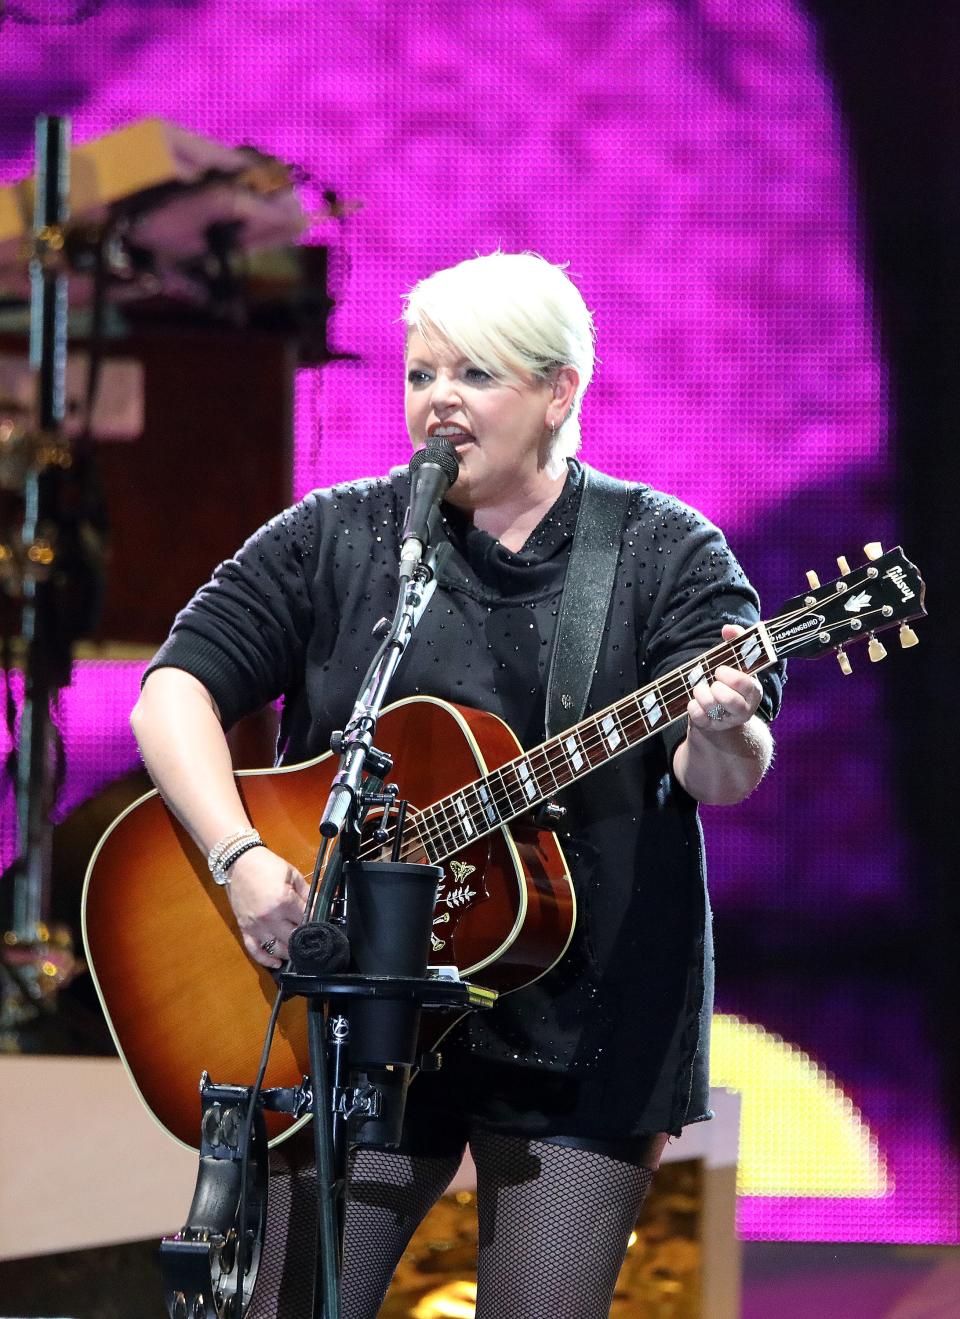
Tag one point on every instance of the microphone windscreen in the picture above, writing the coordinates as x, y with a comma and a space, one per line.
317, 947
440, 451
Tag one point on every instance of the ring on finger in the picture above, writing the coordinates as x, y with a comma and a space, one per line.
268, 945
717, 712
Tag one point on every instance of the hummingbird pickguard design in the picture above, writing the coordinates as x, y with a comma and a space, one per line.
461, 887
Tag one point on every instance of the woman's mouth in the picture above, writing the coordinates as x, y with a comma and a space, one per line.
456, 435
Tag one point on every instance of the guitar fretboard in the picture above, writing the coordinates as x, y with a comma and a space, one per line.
455, 821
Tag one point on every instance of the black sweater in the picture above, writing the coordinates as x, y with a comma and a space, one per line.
627, 1010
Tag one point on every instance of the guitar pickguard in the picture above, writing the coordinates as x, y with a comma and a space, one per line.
463, 886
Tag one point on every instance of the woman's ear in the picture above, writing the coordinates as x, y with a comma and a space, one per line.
565, 383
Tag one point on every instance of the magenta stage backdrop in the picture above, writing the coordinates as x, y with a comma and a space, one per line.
687, 158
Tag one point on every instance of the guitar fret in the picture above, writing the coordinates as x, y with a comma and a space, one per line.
478, 813
448, 825
438, 836
549, 766
513, 808
500, 794
560, 766
695, 675
588, 743
458, 824
639, 716
593, 745
466, 819
488, 805
426, 842
750, 650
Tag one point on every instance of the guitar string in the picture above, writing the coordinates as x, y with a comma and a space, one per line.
441, 831
543, 758
552, 754
444, 837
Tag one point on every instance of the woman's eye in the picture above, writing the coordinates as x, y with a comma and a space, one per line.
416, 377
478, 375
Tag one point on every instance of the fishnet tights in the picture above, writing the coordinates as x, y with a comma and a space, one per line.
389, 1196
554, 1223
553, 1227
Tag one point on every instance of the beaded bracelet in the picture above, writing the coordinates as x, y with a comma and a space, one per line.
220, 852
218, 849
236, 852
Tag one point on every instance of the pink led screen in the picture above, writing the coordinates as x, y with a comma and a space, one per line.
690, 163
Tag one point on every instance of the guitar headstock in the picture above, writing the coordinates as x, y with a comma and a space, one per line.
885, 591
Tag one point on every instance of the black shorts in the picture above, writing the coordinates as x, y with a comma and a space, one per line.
443, 1108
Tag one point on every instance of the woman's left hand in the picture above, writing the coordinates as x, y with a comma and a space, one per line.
729, 701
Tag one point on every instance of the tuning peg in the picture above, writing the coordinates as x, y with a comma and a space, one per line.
844, 663
843, 565
876, 650
873, 550
812, 580
908, 637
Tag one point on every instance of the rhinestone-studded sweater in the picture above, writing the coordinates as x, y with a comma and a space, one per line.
628, 1007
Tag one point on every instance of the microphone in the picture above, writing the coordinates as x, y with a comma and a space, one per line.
433, 471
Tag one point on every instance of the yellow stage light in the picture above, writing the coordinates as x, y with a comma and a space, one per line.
799, 1133
455, 1300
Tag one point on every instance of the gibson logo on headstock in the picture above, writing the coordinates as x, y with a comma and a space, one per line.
897, 576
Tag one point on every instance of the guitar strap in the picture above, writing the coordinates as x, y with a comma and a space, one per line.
586, 598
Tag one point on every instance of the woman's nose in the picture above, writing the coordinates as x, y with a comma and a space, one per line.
446, 392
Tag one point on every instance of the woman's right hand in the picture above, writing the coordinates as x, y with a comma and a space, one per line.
268, 897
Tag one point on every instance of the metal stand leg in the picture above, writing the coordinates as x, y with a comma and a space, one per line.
331, 1159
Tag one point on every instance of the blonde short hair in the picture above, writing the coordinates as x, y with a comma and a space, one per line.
513, 314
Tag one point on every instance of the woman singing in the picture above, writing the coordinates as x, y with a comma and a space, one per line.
568, 1089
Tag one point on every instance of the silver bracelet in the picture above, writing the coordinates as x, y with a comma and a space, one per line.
219, 852
218, 849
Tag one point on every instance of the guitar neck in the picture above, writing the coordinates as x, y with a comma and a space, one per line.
855, 606
522, 784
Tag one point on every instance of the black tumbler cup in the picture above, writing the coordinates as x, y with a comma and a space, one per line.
390, 909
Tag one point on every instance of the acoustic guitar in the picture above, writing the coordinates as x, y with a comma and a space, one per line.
180, 993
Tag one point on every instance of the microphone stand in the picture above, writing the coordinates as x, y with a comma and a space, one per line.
372, 1017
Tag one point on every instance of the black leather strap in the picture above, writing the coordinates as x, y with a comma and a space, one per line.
586, 597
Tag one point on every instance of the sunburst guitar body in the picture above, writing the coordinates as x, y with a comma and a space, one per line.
180, 993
